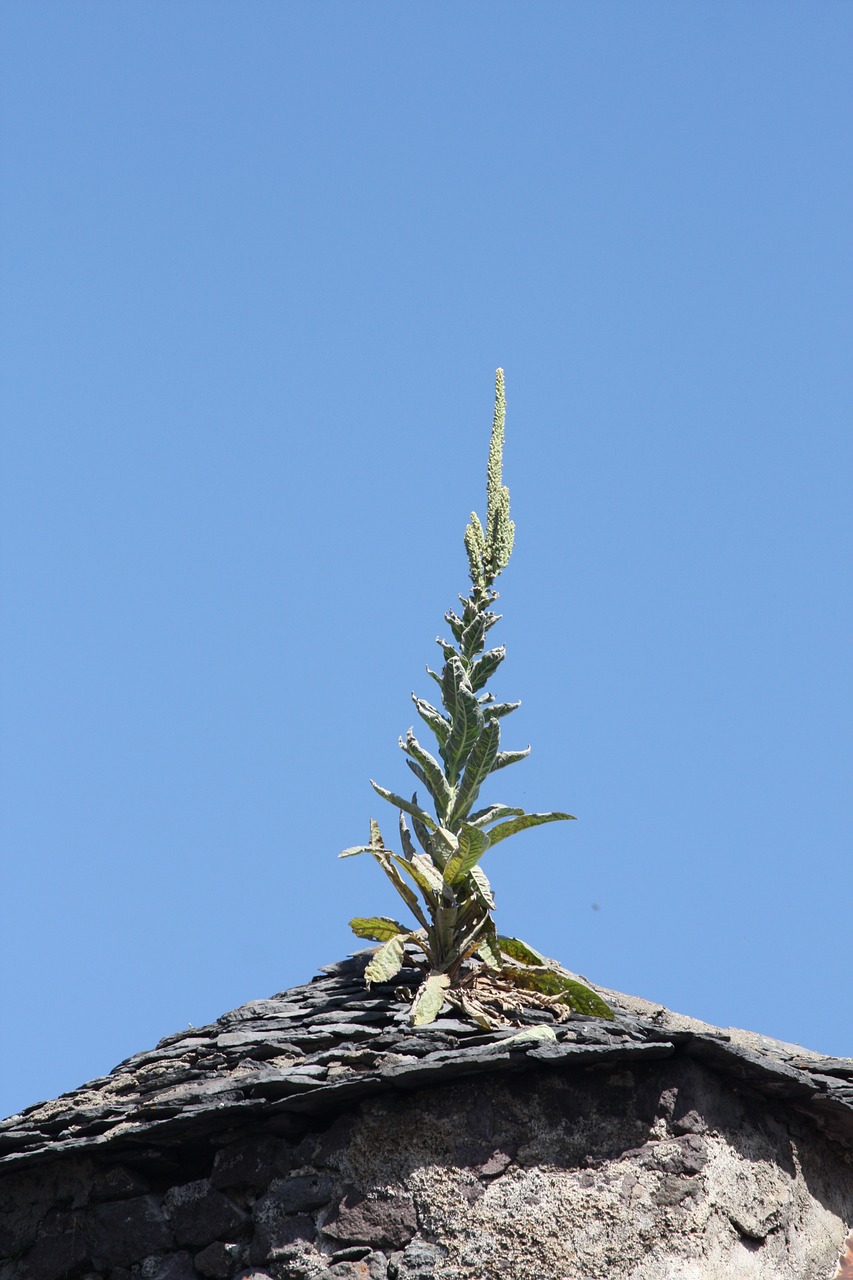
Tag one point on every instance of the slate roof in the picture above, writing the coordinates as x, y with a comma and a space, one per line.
318, 1047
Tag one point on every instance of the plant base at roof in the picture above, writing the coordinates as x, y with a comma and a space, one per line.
438, 874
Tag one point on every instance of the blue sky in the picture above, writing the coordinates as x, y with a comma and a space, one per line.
260, 262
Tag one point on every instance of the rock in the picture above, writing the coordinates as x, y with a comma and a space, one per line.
126, 1231
389, 1221
251, 1163
60, 1252
118, 1183
200, 1214
178, 1266
418, 1261
219, 1260
277, 1229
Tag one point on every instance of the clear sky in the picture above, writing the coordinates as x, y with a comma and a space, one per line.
260, 262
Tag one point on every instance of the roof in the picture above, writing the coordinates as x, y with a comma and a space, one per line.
318, 1047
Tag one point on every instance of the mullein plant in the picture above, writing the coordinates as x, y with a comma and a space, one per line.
438, 875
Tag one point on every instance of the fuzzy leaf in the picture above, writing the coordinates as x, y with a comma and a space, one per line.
425, 875
497, 710
468, 723
550, 983
520, 951
488, 952
473, 637
456, 624
408, 894
424, 836
484, 668
355, 849
430, 998
406, 841
537, 1034
407, 806
387, 962
523, 821
446, 648
491, 814
482, 888
477, 769
377, 928
503, 758
431, 772
432, 717
473, 843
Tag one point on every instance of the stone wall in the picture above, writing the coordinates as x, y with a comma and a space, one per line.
643, 1166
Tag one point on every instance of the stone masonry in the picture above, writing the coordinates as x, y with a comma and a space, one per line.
316, 1135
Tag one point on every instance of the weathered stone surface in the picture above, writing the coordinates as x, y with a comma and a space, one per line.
60, 1251
199, 1214
278, 1225
220, 1260
371, 1219
418, 1261
177, 1266
373, 1266
118, 1183
125, 1231
253, 1162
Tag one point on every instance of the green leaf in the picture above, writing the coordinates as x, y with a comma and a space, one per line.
520, 951
583, 1000
387, 962
425, 875
491, 814
481, 888
523, 821
378, 928
484, 668
473, 843
550, 983
467, 723
355, 849
406, 839
407, 806
404, 890
453, 678
430, 998
456, 624
473, 637
433, 718
488, 951
431, 772
503, 758
424, 836
497, 710
477, 769
541, 1032
442, 845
